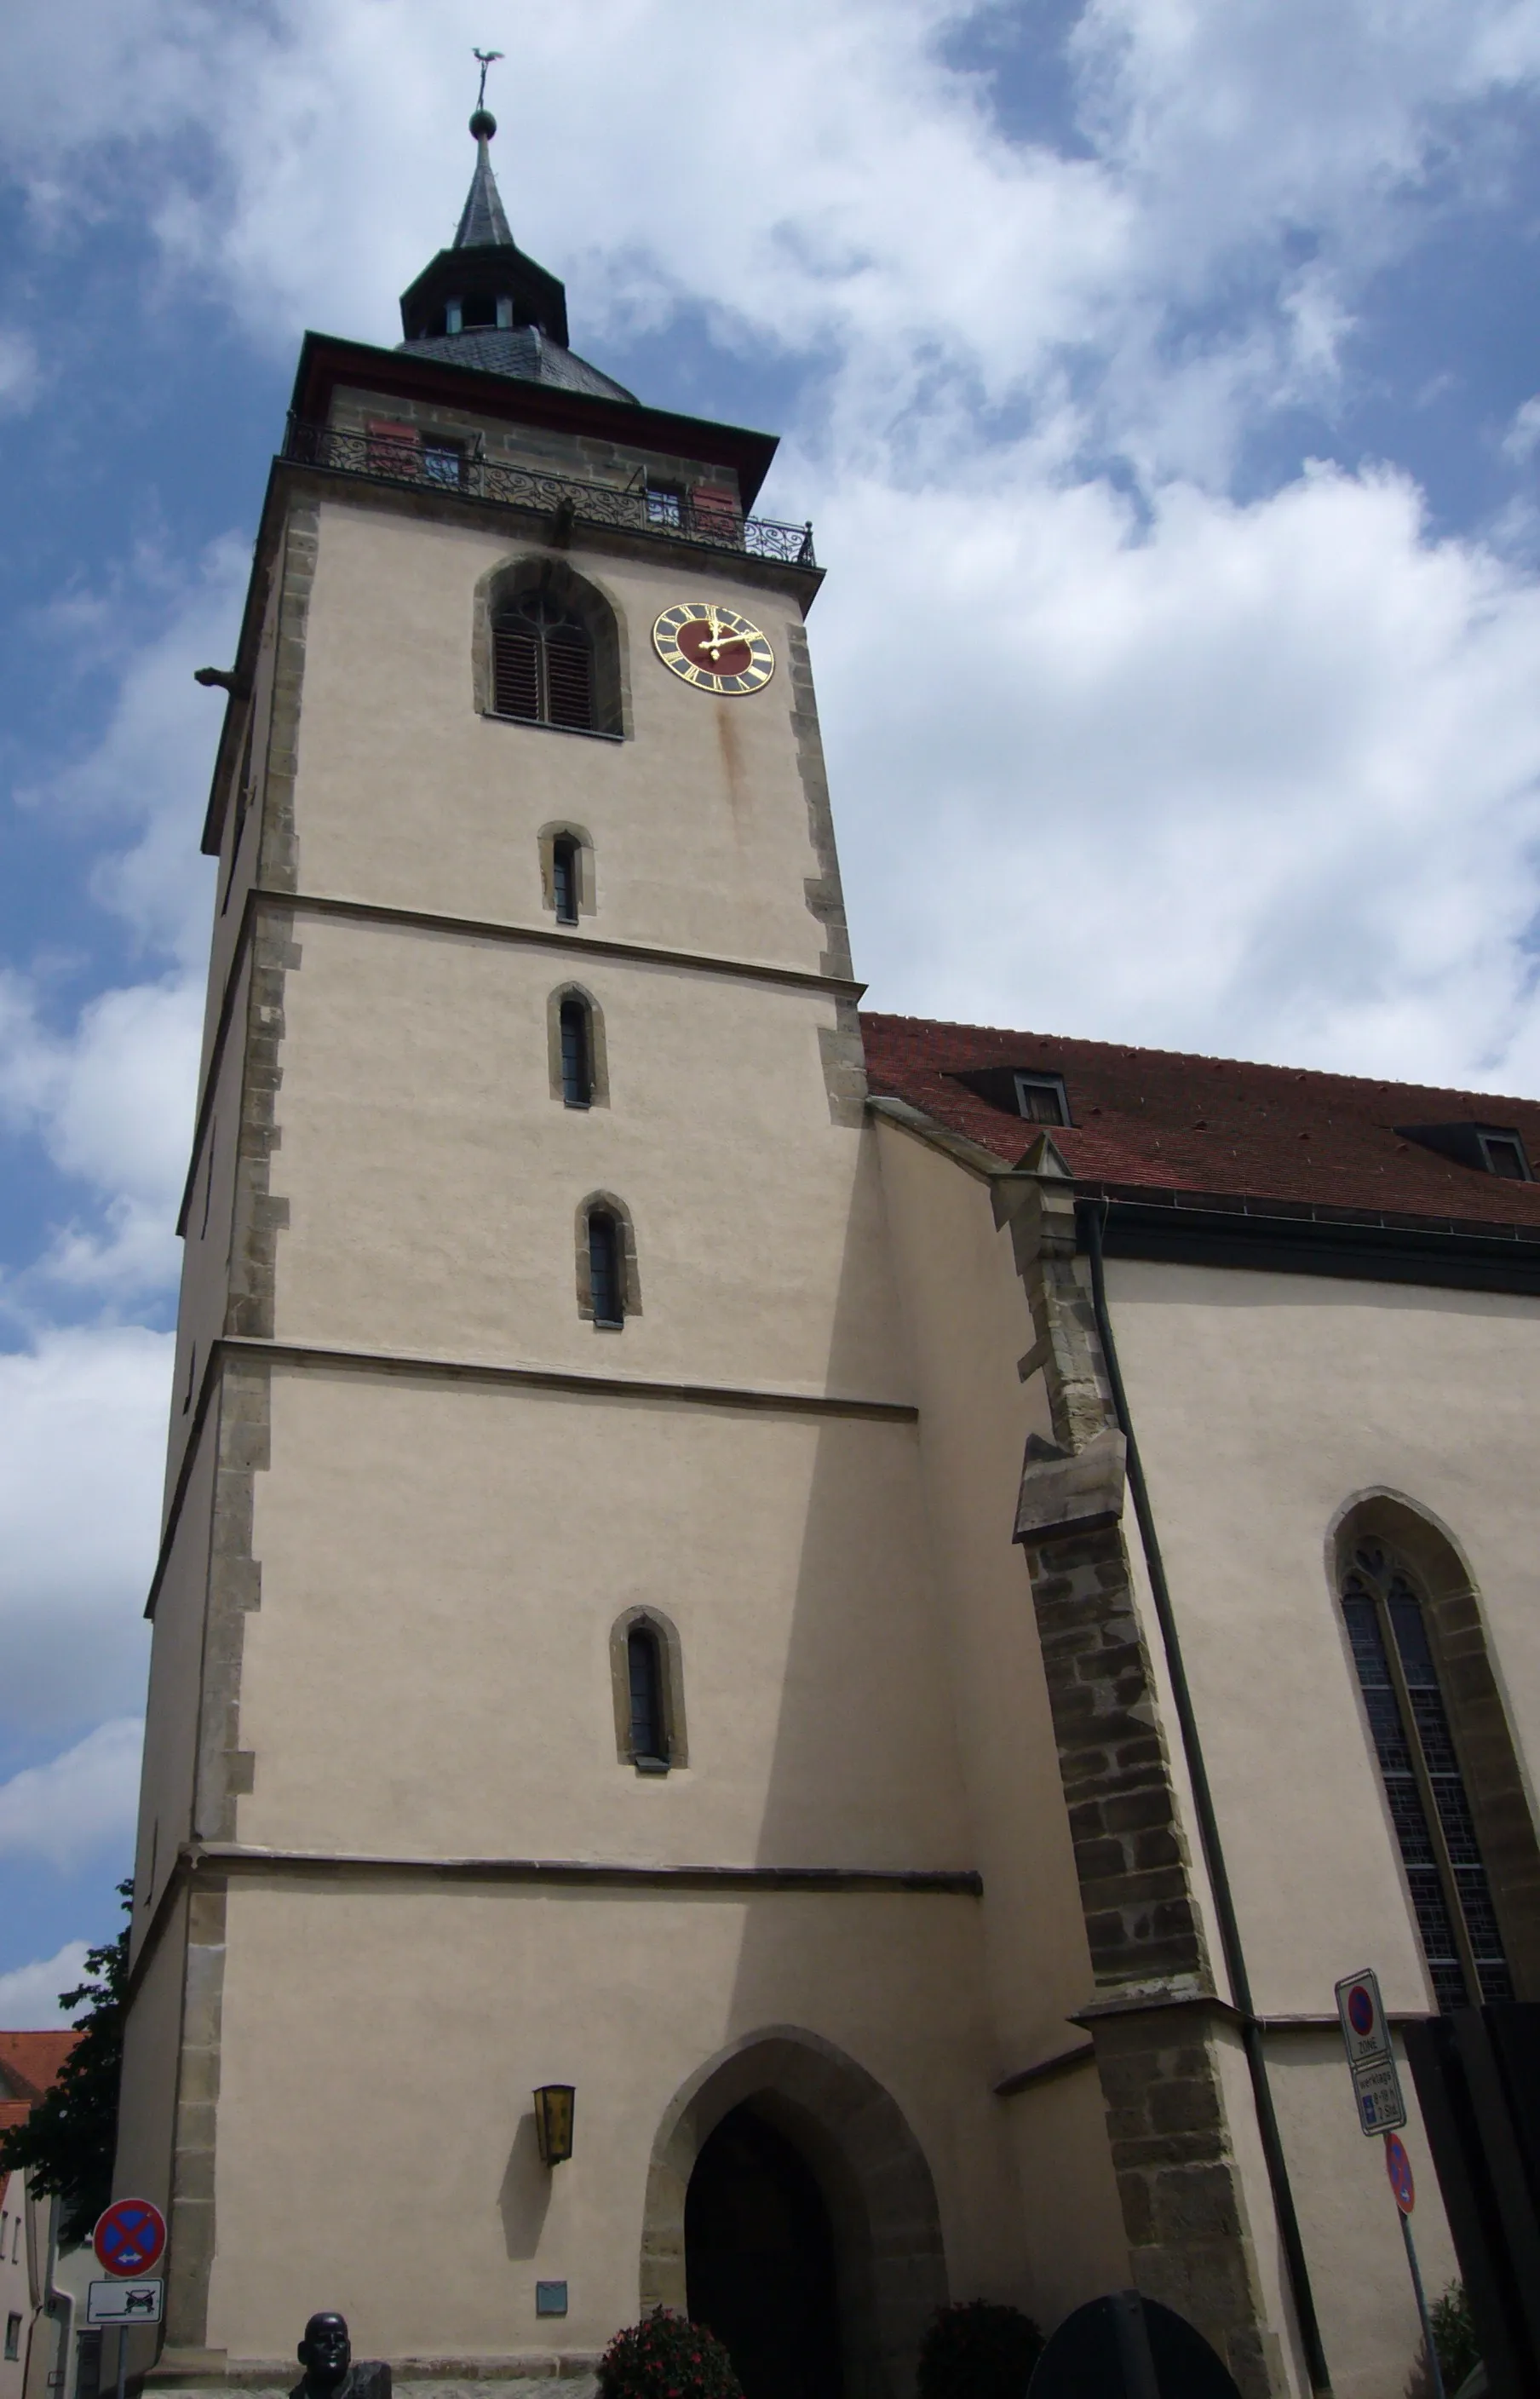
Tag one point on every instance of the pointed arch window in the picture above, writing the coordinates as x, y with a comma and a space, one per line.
577, 1054
607, 1288
649, 1734
542, 665
1424, 1786
566, 878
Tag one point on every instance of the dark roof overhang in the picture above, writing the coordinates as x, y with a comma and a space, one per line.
487, 271
1273, 1237
326, 361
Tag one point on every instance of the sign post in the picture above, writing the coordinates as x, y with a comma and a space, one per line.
1398, 2165
1381, 2109
130, 2240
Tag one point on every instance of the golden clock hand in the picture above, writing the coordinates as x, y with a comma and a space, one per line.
722, 636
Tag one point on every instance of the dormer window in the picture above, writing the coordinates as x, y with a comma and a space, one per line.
1486, 1150
1503, 1153
1040, 1099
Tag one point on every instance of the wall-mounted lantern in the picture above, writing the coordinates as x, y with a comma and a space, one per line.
553, 2121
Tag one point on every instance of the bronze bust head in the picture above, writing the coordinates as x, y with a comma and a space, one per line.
326, 2353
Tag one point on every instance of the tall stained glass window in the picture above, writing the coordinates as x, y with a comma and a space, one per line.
1420, 1768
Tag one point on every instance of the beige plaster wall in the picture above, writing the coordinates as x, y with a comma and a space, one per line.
443, 1563
240, 846
376, 2148
432, 1181
1363, 2293
968, 1324
406, 796
1263, 1404
166, 1793
151, 2040
206, 1242
16, 2281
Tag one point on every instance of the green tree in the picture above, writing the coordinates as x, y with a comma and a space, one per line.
66, 2144
1454, 2337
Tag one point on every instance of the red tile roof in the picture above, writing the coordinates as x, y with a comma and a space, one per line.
29, 2064
1158, 1120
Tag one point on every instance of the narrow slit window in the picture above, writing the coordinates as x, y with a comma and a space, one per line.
644, 1669
604, 1285
576, 1054
1424, 1785
565, 874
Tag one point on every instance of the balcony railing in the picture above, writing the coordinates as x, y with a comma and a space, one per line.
699, 516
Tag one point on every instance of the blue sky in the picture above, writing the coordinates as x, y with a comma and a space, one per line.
1164, 381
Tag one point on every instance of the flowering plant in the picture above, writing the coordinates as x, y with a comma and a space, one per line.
667, 2357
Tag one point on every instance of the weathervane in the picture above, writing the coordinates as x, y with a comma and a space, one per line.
487, 57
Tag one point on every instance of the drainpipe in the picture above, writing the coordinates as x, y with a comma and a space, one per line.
1091, 1214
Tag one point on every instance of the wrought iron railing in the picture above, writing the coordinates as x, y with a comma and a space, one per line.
696, 516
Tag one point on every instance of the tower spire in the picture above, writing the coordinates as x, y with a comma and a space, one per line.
482, 220
481, 304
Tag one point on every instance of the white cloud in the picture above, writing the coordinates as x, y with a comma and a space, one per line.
1523, 434
307, 157
147, 774
29, 1995
82, 1440
112, 1102
1265, 780
79, 1802
19, 378
110, 1097
1255, 777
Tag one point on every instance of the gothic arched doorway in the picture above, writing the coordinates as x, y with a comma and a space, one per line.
869, 2174
759, 2254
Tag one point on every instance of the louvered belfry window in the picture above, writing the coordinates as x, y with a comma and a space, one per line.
1419, 1766
543, 666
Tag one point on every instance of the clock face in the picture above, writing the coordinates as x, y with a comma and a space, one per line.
713, 648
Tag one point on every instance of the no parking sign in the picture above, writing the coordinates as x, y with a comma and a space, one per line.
129, 2237
1398, 2165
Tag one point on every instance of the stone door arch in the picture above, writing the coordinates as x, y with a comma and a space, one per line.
872, 2172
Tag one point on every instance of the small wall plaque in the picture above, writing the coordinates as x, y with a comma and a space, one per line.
551, 2298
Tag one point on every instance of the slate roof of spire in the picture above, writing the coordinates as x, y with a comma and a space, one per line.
522, 351
482, 220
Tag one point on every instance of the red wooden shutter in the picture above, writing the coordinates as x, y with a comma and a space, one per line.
394, 449
716, 515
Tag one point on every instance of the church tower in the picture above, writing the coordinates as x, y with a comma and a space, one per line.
548, 1687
